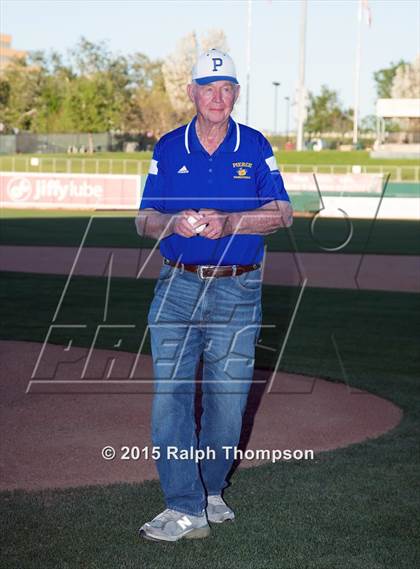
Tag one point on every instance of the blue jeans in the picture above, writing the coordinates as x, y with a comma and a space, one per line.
220, 319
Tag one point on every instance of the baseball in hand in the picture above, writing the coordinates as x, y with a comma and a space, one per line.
191, 220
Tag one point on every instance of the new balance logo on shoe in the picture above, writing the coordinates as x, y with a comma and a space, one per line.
183, 170
184, 522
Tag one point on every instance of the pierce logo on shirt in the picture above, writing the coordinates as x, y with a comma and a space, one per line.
241, 170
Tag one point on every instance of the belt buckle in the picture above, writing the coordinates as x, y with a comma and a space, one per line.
200, 271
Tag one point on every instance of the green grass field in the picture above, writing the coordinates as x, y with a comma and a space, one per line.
352, 508
117, 230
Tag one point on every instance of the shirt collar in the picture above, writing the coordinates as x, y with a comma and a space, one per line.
230, 143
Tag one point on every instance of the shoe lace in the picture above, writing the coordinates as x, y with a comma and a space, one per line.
166, 515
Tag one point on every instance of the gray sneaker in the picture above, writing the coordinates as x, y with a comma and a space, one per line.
171, 525
218, 511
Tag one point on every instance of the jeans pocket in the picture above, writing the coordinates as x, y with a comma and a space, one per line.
164, 278
249, 281
166, 272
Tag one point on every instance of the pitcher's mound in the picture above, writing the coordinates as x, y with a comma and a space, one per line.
54, 424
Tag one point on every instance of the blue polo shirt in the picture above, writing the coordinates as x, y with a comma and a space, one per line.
241, 175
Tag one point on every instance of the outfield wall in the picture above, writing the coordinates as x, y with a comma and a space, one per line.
367, 207
358, 195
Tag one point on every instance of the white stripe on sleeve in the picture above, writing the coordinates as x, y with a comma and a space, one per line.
153, 167
271, 163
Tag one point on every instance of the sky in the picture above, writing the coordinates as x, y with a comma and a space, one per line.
155, 27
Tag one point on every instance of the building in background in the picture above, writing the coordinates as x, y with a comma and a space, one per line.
7, 53
404, 142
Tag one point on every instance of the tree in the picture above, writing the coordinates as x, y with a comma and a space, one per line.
21, 86
88, 58
92, 89
149, 110
91, 105
368, 124
326, 114
406, 85
214, 39
177, 74
150, 114
342, 120
406, 82
384, 79
100, 92
86, 95
146, 73
49, 103
4, 93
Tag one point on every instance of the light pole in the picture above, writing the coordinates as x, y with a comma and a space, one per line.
301, 90
357, 75
287, 99
248, 61
276, 85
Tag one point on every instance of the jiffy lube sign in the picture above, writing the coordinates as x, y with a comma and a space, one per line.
75, 191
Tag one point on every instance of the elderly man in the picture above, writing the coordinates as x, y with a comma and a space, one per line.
212, 193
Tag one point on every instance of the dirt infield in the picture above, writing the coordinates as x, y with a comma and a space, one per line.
55, 425
330, 270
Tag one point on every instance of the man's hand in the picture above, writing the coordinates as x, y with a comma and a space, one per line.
181, 225
218, 223
261, 221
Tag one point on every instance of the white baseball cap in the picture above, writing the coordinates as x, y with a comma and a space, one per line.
214, 65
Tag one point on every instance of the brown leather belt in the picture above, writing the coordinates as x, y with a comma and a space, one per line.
207, 271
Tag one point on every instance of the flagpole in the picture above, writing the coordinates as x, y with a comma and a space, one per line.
248, 62
301, 88
357, 74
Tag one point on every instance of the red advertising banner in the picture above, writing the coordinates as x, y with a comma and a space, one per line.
69, 191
